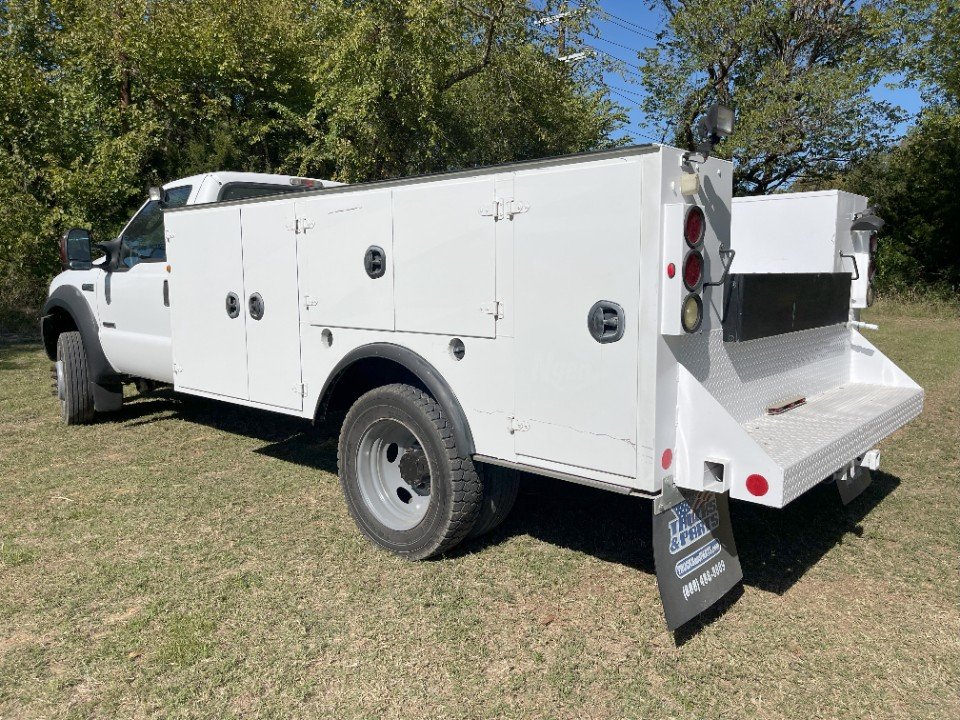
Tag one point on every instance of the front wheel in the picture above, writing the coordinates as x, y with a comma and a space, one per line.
73, 380
408, 486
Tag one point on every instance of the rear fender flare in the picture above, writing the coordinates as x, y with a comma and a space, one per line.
416, 365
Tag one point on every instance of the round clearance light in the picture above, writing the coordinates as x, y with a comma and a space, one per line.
691, 315
671, 270
694, 226
666, 460
757, 485
692, 270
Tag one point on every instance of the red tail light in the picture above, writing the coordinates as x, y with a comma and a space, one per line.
693, 270
694, 226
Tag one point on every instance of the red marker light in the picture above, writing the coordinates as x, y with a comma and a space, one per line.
667, 459
671, 270
757, 485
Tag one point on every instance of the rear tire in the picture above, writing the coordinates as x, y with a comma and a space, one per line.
73, 380
500, 487
408, 486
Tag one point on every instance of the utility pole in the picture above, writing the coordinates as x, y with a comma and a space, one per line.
562, 29
563, 12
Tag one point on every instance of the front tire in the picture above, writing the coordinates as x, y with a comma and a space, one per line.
73, 380
408, 486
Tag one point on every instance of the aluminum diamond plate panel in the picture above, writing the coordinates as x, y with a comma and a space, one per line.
746, 378
814, 440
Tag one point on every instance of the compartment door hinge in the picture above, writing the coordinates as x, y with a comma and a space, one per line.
494, 308
300, 389
300, 225
503, 209
309, 302
515, 425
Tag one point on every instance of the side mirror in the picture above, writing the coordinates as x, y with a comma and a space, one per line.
75, 251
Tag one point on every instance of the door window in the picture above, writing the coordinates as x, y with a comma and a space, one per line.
142, 240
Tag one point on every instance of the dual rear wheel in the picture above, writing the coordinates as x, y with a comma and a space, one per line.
408, 486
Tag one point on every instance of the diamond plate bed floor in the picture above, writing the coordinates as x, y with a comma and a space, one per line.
815, 439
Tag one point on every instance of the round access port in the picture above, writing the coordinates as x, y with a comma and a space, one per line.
457, 349
326, 338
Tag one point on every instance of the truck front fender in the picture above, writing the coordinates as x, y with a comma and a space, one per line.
369, 366
65, 305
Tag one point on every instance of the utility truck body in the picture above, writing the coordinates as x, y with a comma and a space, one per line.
589, 318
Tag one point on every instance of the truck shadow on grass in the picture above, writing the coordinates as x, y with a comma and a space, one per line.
776, 547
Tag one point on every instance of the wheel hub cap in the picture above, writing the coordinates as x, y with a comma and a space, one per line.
393, 474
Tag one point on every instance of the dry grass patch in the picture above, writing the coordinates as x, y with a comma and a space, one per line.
191, 559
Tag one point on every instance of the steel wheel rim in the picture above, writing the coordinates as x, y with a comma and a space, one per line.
391, 499
61, 384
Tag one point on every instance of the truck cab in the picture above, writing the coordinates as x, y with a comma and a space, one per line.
124, 313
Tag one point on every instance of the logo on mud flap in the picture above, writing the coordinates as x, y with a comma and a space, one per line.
692, 523
697, 558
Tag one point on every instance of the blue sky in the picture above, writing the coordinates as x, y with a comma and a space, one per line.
631, 28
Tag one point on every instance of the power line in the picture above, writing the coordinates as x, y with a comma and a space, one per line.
619, 45
640, 29
614, 20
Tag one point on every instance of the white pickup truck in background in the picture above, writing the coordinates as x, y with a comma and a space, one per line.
582, 318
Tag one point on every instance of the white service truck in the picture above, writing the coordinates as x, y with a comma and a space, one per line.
587, 318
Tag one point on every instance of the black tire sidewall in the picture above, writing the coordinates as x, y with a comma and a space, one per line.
379, 405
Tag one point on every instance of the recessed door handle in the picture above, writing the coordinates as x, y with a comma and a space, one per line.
375, 262
605, 322
233, 305
255, 306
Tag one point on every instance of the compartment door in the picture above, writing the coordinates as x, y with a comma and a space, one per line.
337, 286
445, 245
579, 244
272, 303
209, 340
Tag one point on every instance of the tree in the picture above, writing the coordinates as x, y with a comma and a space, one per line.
418, 86
798, 72
914, 187
101, 98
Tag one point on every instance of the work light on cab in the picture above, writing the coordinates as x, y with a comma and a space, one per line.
694, 226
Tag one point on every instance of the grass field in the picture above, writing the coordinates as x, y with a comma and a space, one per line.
191, 559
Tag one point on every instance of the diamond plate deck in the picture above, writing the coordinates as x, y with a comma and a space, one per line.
812, 441
748, 377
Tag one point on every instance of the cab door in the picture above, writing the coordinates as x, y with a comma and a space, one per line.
134, 300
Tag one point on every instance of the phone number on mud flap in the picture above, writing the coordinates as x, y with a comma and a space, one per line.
704, 579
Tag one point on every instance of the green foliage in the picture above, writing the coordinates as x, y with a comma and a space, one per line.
798, 72
915, 188
99, 99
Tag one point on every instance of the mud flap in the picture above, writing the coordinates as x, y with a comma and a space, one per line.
694, 551
852, 481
